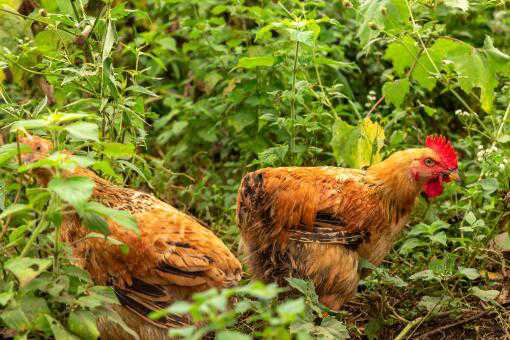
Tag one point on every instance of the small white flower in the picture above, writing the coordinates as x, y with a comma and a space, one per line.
371, 92
502, 167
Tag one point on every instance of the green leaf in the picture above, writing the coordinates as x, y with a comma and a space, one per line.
439, 238
121, 217
94, 222
426, 275
461, 4
489, 185
391, 16
9, 151
252, 62
14, 209
410, 244
83, 324
65, 6
395, 92
16, 319
470, 273
232, 335
58, 330
273, 155
290, 309
83, 131
29, 124
357, 146
118, 150
485, 295
109, 40
432, 303
26, 269
403, 54
74, 190
304, 37
5, 297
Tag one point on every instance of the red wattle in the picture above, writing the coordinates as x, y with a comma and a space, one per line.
433, 188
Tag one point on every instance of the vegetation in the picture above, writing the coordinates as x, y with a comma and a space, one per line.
181, 98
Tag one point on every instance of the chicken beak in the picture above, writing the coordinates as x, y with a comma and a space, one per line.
454, 176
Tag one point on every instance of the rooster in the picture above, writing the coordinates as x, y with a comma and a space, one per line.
318, 223
173, 257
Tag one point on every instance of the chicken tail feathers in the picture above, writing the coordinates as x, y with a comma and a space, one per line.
143, 307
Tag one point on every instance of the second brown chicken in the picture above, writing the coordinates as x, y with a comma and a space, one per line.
174, 257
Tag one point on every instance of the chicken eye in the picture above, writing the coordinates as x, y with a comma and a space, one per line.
38, 148
429, 162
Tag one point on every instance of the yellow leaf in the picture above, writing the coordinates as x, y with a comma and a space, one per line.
370, 143
2, 75
14, 4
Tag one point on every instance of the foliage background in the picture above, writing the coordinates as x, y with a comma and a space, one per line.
182, 98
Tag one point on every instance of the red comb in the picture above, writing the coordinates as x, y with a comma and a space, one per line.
443, 147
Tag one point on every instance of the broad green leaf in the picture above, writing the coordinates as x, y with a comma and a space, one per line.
15, 209
344, 142
440, 238
29, 124
94, 222
410, 244
357, 146
242, 120
370, 143
26, 269
425, 72
304, 37
489, 185
498, 60
470, 273
36, 309
121, 217
485, 295
395, 91
65, 6
472, 66
83, 131
66, 117
74, 190
432, 303
273, 155
9, 151
118, 150
59, 332
232, 335
109, 40
5, 297
382, 15
252, 62
83, 324
15, 319
470, 218
290, 309
426, 275
403, 54
461, 4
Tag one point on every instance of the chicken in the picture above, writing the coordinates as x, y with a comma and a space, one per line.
174, 256
318, 223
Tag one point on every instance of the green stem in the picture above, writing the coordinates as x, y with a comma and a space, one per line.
38, 230
293, 102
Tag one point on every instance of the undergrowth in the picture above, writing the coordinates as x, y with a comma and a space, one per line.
181, 98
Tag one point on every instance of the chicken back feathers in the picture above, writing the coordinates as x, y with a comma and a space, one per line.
174, 256
317, 223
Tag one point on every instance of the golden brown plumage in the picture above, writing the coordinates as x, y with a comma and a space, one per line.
318, 223
174, 256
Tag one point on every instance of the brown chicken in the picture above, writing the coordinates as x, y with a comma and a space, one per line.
174, 257
318, 223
